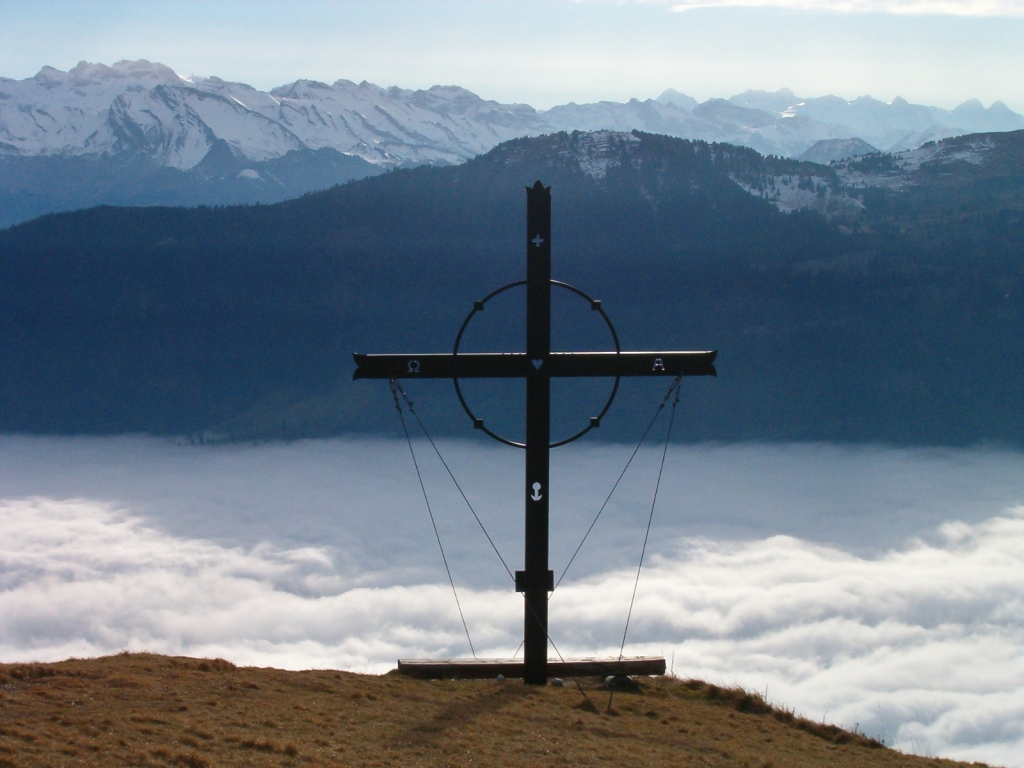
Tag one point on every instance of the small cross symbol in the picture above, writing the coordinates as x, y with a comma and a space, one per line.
537, 240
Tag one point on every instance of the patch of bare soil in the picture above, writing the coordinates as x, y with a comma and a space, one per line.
147, 710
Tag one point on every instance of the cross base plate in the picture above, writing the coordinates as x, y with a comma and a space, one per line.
480, 669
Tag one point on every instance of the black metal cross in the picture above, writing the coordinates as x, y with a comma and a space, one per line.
537, 365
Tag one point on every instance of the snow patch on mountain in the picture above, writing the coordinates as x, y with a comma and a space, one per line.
839, 194
974, 152
598, 151
798, 192
897, 170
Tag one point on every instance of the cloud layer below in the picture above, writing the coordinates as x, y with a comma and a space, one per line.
876, 588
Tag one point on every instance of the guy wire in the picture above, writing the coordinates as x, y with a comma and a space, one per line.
647, 533
674, 386
650, 519
426, 500
396, 385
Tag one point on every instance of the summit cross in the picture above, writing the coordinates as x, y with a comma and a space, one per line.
537, 365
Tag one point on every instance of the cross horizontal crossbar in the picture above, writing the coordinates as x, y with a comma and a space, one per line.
519, 365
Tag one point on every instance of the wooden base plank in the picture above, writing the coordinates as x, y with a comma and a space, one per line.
478, 669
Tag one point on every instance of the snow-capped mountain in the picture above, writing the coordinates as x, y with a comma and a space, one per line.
137, 133
147, 108
143, 107
894, 126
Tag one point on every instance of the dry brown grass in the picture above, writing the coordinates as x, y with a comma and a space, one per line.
147, 710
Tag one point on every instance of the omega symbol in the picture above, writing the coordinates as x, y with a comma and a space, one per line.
414, 366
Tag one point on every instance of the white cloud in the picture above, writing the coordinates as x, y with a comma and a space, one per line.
866, 586
81, 578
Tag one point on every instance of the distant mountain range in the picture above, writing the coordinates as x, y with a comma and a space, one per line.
136, 133
897, 316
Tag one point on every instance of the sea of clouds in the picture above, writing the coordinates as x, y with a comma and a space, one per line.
872, 587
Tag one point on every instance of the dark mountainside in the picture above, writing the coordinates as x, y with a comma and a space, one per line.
32, 186
899, 322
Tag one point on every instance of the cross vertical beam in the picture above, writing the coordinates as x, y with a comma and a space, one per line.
536, 579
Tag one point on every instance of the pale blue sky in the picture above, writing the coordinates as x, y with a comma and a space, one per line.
545, 52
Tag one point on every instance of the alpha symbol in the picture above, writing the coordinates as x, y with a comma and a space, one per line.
536, 495
659, 364
414, 366
537, 240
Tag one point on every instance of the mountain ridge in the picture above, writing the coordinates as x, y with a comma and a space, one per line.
142, 113
88, 90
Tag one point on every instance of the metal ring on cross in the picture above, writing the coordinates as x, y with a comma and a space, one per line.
478, 306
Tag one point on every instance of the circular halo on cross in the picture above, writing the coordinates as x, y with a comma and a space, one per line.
478, 306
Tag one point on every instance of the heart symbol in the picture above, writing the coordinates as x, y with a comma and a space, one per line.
537, 363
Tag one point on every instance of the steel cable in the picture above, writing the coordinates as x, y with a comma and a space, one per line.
647, 533
674, 386
452, 476
423, 488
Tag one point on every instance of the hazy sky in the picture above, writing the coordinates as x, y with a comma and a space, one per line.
545, 52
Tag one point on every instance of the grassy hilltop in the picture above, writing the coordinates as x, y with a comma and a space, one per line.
148, 710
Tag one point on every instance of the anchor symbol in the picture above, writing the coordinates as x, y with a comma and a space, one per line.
536, 495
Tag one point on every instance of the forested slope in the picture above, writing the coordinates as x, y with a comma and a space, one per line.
239, 322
